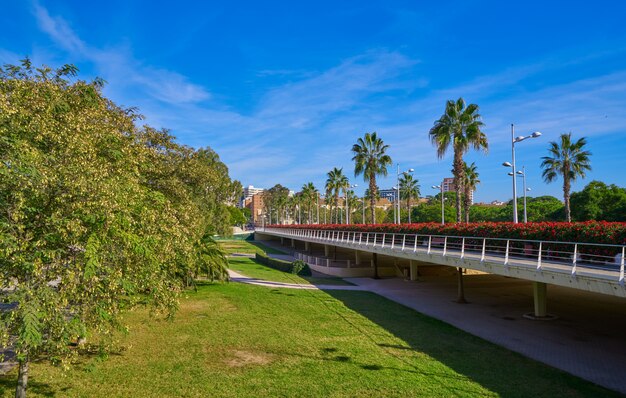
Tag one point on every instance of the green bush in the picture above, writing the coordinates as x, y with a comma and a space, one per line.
297, 267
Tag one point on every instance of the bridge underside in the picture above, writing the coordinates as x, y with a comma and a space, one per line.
411, 264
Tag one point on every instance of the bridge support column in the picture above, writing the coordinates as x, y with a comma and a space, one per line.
540, 295
461, 290
326, 250
307, 247
282, 241
357, 257
413, 267
375, 265
293, 243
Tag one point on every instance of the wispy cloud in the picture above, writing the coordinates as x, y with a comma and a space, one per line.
301, 128
118, 66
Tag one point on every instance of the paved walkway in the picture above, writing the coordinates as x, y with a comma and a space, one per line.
587, 340
237, 277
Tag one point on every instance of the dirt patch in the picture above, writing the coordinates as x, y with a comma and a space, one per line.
241, 358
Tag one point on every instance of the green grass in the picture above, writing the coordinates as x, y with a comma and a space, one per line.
247, 247
252, 269
236, 340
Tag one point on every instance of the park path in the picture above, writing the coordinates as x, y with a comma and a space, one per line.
237, 277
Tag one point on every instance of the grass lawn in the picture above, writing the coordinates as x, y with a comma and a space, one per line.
236, 340
252, 269
247, 247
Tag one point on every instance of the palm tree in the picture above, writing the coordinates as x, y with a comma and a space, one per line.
309, 192
470, 180
371, 160
335, 183
568, 159
459, 127
409, 189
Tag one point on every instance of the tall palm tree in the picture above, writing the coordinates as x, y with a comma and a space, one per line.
371, 160
459, 127
309, 192
568, 159
470, 180
409, 189
335, 183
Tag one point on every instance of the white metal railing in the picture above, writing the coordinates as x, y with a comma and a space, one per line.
323, 261
589, 259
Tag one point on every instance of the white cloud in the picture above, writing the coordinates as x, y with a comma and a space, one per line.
119, 67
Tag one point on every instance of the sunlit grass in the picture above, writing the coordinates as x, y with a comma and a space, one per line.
236, 340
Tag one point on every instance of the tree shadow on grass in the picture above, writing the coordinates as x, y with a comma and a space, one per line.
495, 368
8, 383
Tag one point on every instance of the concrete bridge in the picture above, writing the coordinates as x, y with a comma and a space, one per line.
578, 265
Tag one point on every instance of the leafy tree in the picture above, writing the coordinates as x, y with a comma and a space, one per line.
371, 160
275, 202
598, 201
237, 216
459, 127
569, 160
96, 215
409, 189
470, 180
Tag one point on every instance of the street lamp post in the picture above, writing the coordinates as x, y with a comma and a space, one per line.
443, 220
515, 140
363, 206
522, 173
397, 221
348, 204
318, 207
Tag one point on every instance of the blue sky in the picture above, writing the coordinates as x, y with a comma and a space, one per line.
281, 90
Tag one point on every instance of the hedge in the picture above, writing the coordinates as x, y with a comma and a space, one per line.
601, 232
282, 265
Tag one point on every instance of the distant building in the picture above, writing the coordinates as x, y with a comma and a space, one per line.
255, 204
389, 194
248, 193
448, 186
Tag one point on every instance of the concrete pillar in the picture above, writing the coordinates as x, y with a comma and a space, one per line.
357, 257
326, 250
307, 247
540, 294
375, 264
413, 267
282, 241
293, 243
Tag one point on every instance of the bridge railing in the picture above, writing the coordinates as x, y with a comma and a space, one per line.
591, 259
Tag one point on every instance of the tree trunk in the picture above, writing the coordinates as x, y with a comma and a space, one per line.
408, 207
467, 205
458, 182
461, 293
373, 198
22, 379
566, 189
337, 208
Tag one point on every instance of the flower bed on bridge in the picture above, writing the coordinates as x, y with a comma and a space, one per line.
599, 232
590, 232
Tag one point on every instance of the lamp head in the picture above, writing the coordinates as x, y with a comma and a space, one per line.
510, 173
436, 186
528, 189
536, 134
519, 139
410, 170
506, 164
520, 172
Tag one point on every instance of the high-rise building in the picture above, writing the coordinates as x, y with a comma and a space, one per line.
448, 186
249, 192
